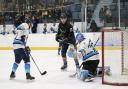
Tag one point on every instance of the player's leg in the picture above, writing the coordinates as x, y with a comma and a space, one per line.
16, 63
91, 66
59, 48
27, 66
63, 54
75, 57
86, 73
83, 75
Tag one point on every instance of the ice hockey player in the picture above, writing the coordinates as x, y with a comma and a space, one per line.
65, 36
21, 51
17, 22
90, 58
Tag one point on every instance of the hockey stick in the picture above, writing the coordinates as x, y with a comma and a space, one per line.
73, 75
42, 73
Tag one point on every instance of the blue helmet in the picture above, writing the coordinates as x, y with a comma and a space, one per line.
79, 37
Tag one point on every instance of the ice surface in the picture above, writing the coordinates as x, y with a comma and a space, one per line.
54, 79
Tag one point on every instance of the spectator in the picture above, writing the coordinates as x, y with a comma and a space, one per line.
107, 13
101, 15
18, 20
89, 15
93, 27
45, 28
75, 28
35, 23
53, 28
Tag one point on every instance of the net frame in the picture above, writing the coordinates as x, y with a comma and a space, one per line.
122, 57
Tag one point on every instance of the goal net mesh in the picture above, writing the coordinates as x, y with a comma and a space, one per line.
115, 57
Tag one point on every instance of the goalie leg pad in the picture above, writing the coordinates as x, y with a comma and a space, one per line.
84, 75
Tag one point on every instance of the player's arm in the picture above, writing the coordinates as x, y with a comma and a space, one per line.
81, 50
58, 36
70, 33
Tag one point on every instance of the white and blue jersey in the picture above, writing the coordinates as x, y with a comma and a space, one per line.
22, 32
87, 52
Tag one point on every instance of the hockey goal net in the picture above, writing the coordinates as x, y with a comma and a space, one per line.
115, 57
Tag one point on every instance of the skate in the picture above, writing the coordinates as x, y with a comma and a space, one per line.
29, 77
64, 67
58, 53
90, 78
12, 76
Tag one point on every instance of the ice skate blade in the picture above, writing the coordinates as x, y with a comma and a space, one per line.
89, 80
29, 80
64, 69
11, 78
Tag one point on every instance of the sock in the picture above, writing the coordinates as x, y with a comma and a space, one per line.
27, 67
14, 68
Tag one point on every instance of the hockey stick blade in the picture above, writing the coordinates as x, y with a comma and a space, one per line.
73, 75
45, 72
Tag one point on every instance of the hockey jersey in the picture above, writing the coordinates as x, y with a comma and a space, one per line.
22, 32
87, 51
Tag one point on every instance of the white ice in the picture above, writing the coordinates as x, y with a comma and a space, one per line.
54, 79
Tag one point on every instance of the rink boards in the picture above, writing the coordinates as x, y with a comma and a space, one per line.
48, 42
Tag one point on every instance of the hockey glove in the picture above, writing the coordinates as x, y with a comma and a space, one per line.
58, 37
27, 48
64, 41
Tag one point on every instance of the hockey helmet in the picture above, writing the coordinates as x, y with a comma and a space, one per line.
80, 37
63, 15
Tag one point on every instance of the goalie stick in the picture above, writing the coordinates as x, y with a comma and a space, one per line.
73, 75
